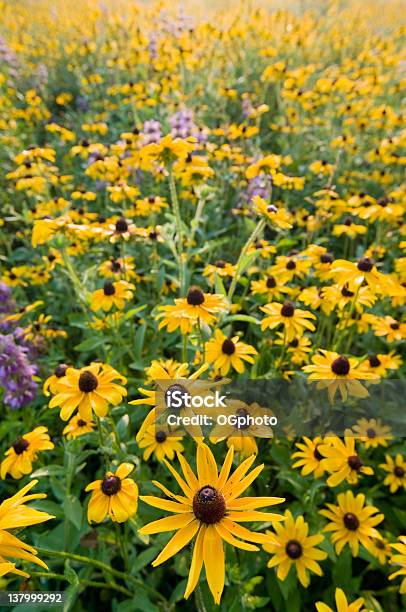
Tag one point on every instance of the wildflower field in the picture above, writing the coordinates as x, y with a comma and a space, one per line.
202, 201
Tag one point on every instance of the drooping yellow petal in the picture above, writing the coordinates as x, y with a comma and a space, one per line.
178, 541
213, 557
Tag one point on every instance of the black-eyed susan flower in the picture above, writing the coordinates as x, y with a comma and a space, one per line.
341, 460
115, 495
287, 267
381, 550
400, 559
269, 286
354, 274
342, 604
210, 509
112, 294
155, 440
186, 312
15, 515
389, 328
309, 457
292, 546
51, 383
226, 353
278, 216
23, 452
372, 432
77, 427
88, 389
381, 364
298, 349
352, 522
294, 320
396, 469
241, 423
338, 372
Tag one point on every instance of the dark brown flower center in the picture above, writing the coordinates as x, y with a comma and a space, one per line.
288, 309
88, 382
371, 433
379, 544
111, 485
294, 343
121, 225
195, 296
355, 463
209, 505
81, 423
294, 549
351, 521
160, 436
326, 258
220, 263
20, 445
340, 366
60, 370
228, 347
271, 282
346, 292
365, 264
374, 361
170, 390
108, 288
242, 412
398, 471
291, 265
272, 208
394, 326
115, 266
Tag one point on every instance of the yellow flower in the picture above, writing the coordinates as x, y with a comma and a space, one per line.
21, 455
396, 469
89, 389
352, 230
186, 312
77, 427
352, 522
15, 515
293, 546
400, 560
154, 440
113, 294
244, 423
115, 495
342, 604
389, 328
372, 433
279, 216
309, 457
353, 275
381, 363
225, 353
269, 286
294, 320
337, 372
342, 460
380, 548
210, 509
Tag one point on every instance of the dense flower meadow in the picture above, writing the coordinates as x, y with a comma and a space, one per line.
194, 194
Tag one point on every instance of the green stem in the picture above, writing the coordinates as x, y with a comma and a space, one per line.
103, 567
176, 211
92, 583
257, 230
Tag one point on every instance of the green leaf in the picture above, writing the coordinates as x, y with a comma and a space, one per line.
139, 341
144, 559
70, 574
73, 511
49, 470
90, 344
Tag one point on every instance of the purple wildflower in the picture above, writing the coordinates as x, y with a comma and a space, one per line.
16, 373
